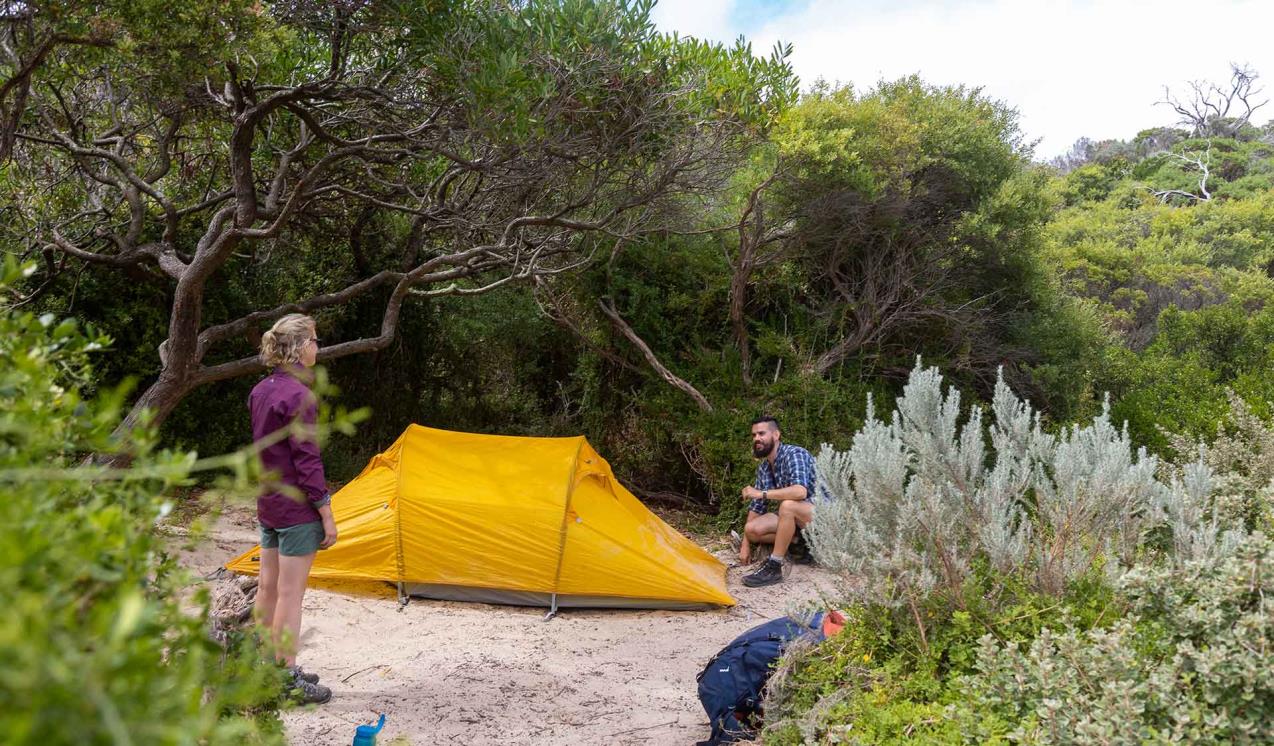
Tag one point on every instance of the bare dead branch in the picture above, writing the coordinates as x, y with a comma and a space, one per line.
663, 371
558, 309
1202, 163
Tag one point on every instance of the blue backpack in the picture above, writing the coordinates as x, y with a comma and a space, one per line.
732, 685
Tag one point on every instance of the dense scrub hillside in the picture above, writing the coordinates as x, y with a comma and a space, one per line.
1168, 240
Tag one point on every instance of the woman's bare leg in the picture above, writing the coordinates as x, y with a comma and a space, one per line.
267, 588
286, 627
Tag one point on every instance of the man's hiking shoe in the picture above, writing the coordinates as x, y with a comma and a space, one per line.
308, 693
297, 673
769, 574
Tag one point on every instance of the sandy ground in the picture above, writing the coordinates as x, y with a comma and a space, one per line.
466, 673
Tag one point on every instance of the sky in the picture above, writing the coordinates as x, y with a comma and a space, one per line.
1071, 69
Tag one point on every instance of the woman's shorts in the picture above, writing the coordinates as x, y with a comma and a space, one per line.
293, 541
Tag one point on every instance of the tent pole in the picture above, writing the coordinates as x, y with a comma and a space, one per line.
403, 598
566, 512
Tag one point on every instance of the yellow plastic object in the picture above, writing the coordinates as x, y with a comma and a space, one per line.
539, 521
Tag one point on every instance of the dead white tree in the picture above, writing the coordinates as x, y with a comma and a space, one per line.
1200, 161
1212, 110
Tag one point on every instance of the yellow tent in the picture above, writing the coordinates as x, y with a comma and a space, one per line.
499, 519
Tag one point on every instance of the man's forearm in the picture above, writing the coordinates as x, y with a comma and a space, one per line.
325, 513
795, 492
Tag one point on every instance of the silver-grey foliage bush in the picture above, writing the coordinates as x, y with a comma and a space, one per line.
915, 501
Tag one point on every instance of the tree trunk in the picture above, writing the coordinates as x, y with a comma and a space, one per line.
159, 399
738, 325
750, 237
180, 356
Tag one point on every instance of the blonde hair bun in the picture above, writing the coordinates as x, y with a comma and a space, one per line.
283, 342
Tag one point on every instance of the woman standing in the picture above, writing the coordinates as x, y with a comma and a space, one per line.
294, 507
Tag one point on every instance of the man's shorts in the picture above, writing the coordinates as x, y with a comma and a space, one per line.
293, 541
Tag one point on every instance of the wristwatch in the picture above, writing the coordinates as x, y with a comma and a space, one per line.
765, 494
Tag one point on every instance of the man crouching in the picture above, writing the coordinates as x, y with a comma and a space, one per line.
785, 476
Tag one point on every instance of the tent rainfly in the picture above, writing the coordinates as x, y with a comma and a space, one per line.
512, 520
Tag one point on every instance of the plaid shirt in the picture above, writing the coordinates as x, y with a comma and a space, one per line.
792, 466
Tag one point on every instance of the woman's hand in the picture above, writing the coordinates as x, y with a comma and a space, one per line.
329, 526
329, 535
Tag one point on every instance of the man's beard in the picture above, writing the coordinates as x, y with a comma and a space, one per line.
762, 451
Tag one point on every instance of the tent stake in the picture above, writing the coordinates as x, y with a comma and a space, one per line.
552, 609
403, 598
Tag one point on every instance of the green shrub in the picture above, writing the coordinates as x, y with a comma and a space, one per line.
1189, 665
881, 682
1178, 383
95, 645
1241, 456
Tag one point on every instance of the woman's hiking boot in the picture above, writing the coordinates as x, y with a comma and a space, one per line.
297, 673
306, 692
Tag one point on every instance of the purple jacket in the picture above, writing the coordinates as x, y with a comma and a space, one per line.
294, 461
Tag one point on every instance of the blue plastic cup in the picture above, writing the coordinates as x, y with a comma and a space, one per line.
365, 735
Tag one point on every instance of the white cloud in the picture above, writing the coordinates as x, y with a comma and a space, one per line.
706, 19
1072, 69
